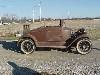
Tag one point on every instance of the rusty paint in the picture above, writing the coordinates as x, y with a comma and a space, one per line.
52, 36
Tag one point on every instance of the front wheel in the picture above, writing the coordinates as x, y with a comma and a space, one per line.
28, 46
83, 46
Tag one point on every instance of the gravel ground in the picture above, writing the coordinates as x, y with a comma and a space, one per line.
13, 62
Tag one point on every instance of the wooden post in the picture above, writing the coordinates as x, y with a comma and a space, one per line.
61, 22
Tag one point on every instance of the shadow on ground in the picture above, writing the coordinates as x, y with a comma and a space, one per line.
96, 49
17, 70
10, 45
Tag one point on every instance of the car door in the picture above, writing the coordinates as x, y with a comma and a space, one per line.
54, 34
39, 34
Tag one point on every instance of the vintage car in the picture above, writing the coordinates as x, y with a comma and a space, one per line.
58, 37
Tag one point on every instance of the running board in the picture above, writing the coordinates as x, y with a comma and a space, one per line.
62, 47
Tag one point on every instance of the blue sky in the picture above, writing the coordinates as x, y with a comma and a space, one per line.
51, 8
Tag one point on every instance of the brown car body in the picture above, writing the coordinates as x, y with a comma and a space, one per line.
54, 36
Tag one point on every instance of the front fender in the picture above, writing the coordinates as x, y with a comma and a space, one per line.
81, 36
73, 41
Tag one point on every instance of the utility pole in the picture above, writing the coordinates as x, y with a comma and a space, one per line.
33, 14
0, 20
1, 6
68, 14
40, 10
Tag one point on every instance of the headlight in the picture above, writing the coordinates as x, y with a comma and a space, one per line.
82, 30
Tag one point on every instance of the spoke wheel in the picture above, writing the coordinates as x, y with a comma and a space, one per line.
28, 46
84, 46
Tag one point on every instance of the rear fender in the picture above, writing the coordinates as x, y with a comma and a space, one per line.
26, 37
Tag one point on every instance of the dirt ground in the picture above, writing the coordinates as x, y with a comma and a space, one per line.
10, 56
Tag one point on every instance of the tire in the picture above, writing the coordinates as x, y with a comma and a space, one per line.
28, 46
84, 46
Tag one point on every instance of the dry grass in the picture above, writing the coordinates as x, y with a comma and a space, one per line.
92, 26
94, 34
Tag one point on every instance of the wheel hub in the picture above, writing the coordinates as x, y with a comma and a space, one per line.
84, 46
28, 46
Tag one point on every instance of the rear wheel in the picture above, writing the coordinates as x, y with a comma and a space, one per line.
84, 46
28, 46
